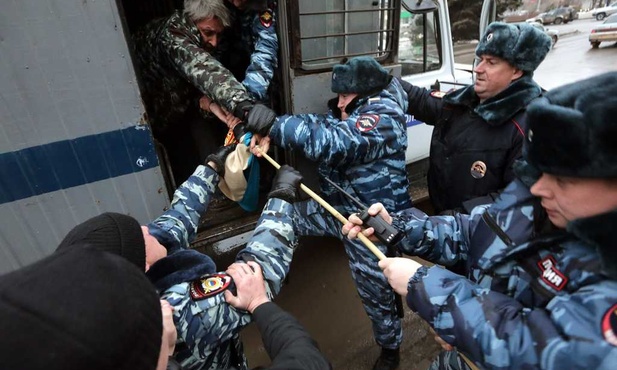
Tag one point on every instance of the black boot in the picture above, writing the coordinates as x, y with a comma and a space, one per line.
388, 359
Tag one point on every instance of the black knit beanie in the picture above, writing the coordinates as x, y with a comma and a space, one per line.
79, 308
112, 232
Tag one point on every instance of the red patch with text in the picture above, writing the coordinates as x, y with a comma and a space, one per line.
609, 325
550, 275
209, 285
367, 122
266, 18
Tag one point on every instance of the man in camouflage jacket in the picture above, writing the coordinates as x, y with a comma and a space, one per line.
361, 147
178, 64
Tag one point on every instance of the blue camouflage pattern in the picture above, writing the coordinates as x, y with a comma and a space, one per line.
511, 311
208, 329
368, 164
261, 37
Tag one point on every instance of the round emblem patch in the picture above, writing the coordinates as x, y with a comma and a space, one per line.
266, 18
609, 325
209, 285
367, 122
489, 37
478, 169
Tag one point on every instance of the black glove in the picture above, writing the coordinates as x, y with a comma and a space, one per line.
239, 130
285, 184
242, 109
219, 157
260, 119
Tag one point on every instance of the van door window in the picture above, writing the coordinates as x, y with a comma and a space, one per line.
334, 29
419, 43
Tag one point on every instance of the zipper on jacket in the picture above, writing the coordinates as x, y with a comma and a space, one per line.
490, 221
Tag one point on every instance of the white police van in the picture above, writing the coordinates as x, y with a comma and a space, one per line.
75, 137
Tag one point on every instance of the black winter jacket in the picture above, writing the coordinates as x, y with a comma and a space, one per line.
473, 145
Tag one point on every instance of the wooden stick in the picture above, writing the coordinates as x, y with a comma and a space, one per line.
218, 111
369, 244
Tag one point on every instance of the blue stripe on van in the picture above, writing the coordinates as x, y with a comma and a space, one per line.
69, 163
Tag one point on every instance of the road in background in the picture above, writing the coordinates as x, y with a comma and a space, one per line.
571, 59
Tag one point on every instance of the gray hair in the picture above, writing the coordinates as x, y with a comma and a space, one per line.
198, 10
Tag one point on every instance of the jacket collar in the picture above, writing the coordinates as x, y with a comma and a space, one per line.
503, 106
599, 231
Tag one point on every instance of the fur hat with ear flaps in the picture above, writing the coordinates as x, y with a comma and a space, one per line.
360, 75
521, 45
572, 130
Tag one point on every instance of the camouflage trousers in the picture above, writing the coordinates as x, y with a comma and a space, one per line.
310, 218
449, 360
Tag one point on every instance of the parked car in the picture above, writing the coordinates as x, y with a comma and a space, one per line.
601, 13
607, 31
556, 16
552, 33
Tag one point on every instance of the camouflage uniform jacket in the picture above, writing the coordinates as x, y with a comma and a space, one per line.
528, 301
208, 329
253, 36
176, 70
364, 154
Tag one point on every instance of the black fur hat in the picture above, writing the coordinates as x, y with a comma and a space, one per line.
572, 130
359, 75
521, 45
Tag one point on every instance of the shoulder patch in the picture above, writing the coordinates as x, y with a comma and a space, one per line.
266, 17
367, 122
609, 325
209, 285
550, 275
438, 94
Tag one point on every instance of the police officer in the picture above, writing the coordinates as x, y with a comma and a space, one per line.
249, 46
478, 130
208, 327
360, 145
540, 286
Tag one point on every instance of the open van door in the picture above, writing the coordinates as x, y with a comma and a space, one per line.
488, 15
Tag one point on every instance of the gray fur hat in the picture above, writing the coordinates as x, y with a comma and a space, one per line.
521, 45
359, 75
572, 130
